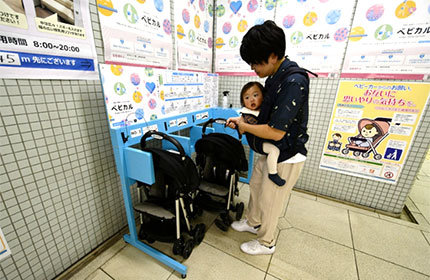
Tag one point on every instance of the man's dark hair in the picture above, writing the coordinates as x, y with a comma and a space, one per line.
248, 86
261, 41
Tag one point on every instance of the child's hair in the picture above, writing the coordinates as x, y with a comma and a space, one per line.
261, 41
248, 86
337, 134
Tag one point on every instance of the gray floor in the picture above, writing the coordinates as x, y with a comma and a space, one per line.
318, 239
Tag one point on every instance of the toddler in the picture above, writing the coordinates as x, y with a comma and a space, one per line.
251, 98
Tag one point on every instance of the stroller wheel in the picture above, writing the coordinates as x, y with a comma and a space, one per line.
226, 219
188, 248
345, 151
150, 240
365, 155
239, 210
356, 153
221, 225
378, 157
141, 235
178, 246
199, 233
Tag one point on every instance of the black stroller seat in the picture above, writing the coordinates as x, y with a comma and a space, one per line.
219, 158
176, 181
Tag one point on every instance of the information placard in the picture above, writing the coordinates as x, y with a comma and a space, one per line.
372, 128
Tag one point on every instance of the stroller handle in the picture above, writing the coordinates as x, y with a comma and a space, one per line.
218, 120
161, 136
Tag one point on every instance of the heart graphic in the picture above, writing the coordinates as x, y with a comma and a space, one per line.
150, 87
362, 57
122, 41
422, 55
390, 56
235, 6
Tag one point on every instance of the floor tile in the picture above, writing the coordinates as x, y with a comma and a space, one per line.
98, 275
411, 205
99, 260
346, 206
371, 268
300, 255
420, 194
131, 263
399, 244
208, 262
427, 236
230, 241
271, 277
405, 222
283, 223
304, 195
424, 210
320, 219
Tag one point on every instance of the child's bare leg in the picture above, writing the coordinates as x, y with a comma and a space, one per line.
272, 163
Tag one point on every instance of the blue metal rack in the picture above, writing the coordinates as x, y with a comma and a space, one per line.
136, 165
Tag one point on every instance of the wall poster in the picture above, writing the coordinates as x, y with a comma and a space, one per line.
140, 94
233, 20
4, 248
372, 127
316, 33
389, 40
136, 32
194, 33
46, 39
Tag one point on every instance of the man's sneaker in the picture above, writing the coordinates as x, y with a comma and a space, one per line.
254, 247
242, 225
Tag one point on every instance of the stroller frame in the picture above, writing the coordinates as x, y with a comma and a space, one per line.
136, 165
219, 159
177, 169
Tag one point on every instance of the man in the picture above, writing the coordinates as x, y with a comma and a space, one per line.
282, 121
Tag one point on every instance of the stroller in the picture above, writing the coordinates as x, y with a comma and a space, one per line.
365, 146
219, 159
176, 181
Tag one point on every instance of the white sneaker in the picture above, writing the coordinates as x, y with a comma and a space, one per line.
254, 247
242, 225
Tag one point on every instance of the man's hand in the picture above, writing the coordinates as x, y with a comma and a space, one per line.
232, 122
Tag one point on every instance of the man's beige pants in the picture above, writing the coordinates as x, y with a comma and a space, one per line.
267, 199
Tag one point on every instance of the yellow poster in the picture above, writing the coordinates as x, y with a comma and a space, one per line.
372, 127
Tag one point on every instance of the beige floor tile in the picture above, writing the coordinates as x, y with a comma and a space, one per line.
208, 262
131, 263
422, 222
411, 205
271, 277
399, 244
320, 219
427, 236
99, 260
229, 242
304, 195
98, 275
300, 255
371, 268
348, 207
420, 194
283, 223
424, 210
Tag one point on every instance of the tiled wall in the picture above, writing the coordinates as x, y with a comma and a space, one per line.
60, 195
381, 196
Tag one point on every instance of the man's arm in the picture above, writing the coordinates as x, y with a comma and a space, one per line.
261, 130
